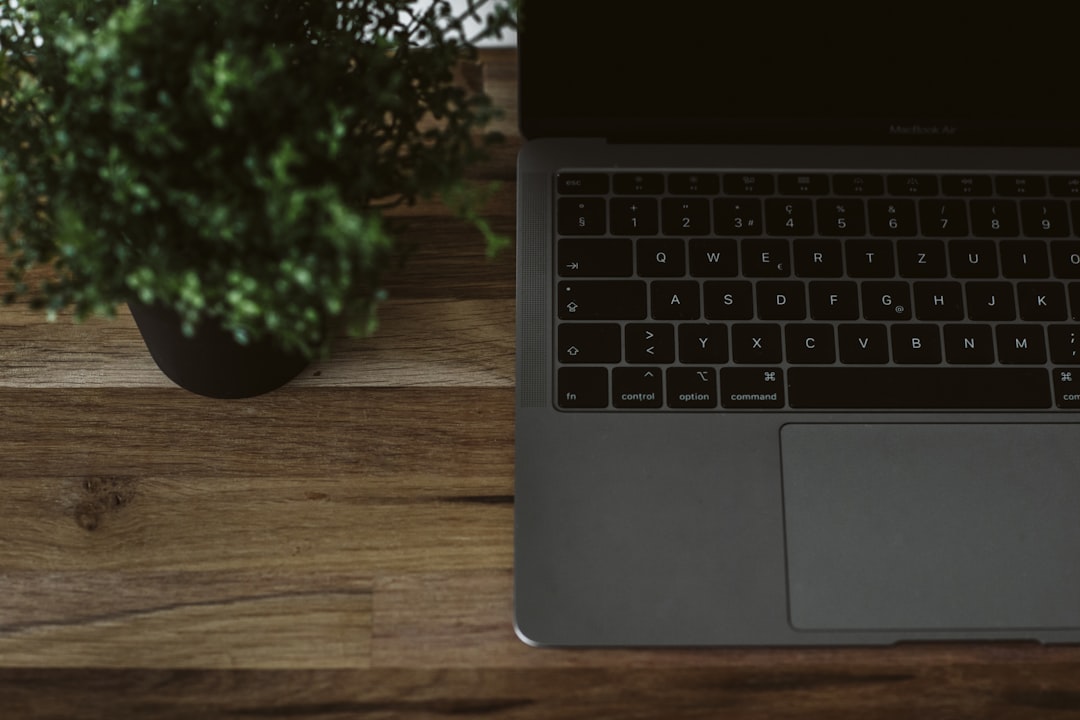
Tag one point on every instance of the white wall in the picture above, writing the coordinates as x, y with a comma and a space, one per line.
509, 39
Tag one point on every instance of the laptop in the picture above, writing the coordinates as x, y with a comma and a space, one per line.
798, 325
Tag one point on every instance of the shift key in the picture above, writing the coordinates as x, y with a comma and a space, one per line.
603, 300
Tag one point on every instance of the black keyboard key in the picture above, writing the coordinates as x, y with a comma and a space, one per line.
892, 218
685, 216
751, 388
886, 300
1021, 344
990, 301
714, 257
650, 343
638, 184
737, 217
870, 258
766, 258
661, 257
729, 300
581, 183
969, 344
749, 184
583, 387
943, 218
703, 344
1065, 258
921, 258
936, 301
841, 216
967, 185
676, 300
804, 184
602, 300
834, 300
1065, 346
1021, 185
641, 388
973, 258
810, 343
1065, 185
912, 184
915, 344
691, 387
634, 216
858, 184
590, 343
1067, 388
863, 344
582, 216
1024, 259
694, 183
994, 218
1041, 301
818, 258
781, 300
1044, 218
596, 257
788, 217
756, 344
913, 388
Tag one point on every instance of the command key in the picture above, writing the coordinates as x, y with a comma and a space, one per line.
1067, 387
752, 387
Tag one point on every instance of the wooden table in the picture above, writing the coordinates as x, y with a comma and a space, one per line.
342, 547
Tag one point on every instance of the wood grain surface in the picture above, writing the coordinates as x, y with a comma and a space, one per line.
342, 547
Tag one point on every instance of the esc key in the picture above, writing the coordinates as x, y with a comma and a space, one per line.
582, 184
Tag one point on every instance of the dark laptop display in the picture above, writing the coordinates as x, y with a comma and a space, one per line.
869, 72
798, 324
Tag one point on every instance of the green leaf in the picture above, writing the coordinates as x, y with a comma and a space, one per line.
232, 160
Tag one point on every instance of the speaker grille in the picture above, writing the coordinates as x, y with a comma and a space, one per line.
533, 305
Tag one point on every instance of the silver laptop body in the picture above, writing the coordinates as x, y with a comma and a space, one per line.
818, 427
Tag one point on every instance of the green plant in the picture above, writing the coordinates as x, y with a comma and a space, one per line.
232, 160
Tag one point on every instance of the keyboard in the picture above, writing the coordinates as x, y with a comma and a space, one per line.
762, 291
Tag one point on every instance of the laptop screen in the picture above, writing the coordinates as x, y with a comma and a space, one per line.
869, 72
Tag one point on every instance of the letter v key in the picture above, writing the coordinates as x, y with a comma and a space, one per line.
861, 344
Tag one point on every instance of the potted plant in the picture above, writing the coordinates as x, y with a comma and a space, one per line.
225, 168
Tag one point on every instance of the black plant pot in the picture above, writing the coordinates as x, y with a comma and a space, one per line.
212, 363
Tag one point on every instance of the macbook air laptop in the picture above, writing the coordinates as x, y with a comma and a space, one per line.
798, 324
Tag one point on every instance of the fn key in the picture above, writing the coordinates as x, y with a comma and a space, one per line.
582, 388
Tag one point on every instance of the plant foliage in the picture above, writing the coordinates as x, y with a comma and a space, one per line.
231, 160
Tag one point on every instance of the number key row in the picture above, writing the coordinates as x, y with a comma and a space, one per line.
802, 217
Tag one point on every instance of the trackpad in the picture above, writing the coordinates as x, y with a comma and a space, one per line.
932, 527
